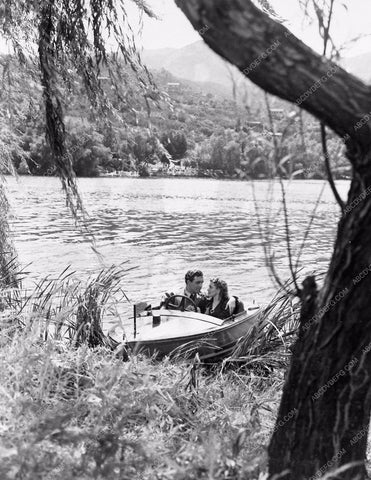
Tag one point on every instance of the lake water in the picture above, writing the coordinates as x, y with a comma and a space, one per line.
164, 227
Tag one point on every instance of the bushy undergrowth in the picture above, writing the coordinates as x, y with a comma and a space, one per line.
70, 407
84, 413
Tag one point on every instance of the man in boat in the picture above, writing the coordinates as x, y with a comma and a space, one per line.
194, 280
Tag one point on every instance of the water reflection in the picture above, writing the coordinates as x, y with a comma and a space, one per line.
166, 226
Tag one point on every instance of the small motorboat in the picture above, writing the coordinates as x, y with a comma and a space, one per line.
169, 330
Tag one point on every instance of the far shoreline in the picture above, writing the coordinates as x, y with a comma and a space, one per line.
183, 177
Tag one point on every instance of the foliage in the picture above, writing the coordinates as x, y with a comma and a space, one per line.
65, 40
39, 161
267, 346
8, 262
83, 413
86, 414
175, 143
87, 151
143, 170
144, 149
200, 129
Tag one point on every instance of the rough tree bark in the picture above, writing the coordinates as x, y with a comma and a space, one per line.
324, 415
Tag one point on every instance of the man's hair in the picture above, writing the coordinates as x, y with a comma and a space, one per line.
191, 274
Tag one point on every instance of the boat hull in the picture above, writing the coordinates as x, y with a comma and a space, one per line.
213, 344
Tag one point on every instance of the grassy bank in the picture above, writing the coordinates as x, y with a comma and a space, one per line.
86, 414
72, 411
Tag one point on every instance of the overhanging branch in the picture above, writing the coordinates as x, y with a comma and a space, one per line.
269, 55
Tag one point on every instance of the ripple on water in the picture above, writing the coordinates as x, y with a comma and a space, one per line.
166, 226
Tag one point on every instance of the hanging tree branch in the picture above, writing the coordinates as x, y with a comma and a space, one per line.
71, 37
293, 270
325, 31
328, 168
53, 108
241, 33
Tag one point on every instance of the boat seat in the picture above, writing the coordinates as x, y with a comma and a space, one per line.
240, 307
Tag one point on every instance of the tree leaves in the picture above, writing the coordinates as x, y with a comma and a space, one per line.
71, 39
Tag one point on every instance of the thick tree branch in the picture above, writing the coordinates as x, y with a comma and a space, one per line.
326, 402
269, 55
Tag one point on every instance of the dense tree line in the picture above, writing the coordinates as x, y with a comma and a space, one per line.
210, 134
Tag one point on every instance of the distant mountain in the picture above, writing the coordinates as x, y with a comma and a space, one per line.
197, 62
155, 59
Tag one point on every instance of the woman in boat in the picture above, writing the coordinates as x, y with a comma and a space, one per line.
217, 299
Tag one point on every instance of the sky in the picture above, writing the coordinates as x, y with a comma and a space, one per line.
174, 30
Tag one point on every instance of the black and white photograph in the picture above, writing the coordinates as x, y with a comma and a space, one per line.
185, 239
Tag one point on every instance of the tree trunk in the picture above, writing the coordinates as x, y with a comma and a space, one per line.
324, 414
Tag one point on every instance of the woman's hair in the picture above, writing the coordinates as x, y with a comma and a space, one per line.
222, 286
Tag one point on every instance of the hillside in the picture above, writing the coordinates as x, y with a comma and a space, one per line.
201, 128
197, 62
